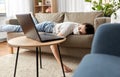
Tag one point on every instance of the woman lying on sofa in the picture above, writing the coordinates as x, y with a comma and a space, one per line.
61, 29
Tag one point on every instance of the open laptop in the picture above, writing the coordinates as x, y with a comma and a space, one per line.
29, 29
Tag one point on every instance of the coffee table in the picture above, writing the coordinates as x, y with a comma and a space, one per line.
23, 41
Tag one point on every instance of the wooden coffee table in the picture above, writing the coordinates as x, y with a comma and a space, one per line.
23, 41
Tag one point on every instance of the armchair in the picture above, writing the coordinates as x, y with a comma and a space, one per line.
104, 60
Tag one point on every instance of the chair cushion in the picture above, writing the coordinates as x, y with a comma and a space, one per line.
99, 65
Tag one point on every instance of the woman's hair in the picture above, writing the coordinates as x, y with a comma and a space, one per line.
89, 28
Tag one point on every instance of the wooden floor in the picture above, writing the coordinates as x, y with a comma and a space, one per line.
4, 49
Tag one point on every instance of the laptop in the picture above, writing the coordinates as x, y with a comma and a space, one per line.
30, 31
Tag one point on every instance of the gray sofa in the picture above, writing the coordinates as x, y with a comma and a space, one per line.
75, 45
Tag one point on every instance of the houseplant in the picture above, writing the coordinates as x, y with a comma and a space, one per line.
39, 2
106, 8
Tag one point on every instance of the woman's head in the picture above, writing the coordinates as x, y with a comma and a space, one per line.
86, 28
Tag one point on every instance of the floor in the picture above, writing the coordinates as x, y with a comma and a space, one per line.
4, 49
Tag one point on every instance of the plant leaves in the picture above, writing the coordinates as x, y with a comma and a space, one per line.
88, 0
106, 8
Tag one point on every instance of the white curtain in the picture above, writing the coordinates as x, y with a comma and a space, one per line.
14, 7
73, 6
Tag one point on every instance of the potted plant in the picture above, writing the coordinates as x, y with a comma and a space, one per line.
106, 8
39, 2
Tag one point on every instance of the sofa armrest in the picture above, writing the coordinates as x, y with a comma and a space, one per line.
100, 20
12, 21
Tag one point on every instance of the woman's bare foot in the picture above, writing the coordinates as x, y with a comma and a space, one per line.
67, 69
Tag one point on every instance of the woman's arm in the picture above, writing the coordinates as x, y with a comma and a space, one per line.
60, 34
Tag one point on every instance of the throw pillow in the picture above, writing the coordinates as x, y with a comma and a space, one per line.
54, 17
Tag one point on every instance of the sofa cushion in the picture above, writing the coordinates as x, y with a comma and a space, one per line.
81, 41
99, 65
82, 17
55, 17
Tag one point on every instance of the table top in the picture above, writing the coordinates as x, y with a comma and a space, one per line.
23, 41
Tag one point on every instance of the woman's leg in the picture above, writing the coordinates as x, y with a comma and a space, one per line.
54, 49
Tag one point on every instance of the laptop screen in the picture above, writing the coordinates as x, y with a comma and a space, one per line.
28, 26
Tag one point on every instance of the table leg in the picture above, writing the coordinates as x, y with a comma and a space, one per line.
16, 61
11, 50
40, 57
61, 61
37, 62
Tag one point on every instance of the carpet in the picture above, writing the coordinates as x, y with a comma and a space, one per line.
27, 65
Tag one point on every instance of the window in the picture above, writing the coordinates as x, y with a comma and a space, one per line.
2, 7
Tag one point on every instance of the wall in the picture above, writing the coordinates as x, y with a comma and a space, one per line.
73, 6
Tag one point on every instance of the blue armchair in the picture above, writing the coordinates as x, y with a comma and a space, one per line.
104, 59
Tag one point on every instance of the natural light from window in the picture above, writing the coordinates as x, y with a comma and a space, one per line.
2, 6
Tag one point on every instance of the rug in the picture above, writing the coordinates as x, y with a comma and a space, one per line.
27, 65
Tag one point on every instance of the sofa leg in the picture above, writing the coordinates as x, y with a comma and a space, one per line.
11, 50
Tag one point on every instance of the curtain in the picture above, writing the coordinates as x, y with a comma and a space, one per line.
14, 7
73, 6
